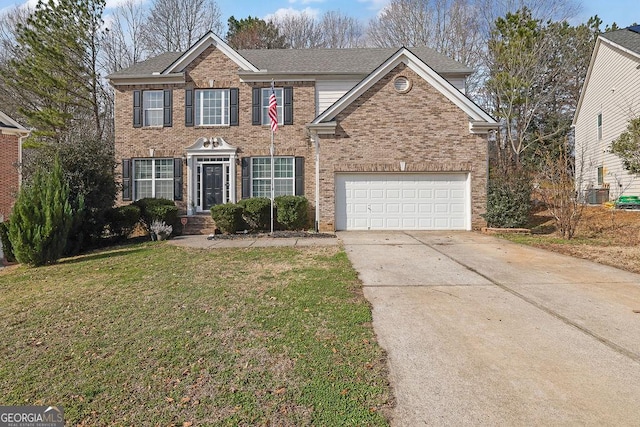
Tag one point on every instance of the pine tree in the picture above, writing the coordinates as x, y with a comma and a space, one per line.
41, 218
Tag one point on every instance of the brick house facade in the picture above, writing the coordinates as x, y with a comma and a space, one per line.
191, 126
11, 134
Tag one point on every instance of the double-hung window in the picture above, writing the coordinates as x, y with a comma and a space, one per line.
266, 94
284, 176
212, 107
153, 178
152, 105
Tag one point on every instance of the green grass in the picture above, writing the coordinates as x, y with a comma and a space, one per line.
153, 334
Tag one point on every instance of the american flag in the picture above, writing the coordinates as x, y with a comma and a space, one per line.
273, 109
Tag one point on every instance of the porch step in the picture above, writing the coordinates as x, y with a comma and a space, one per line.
199, 224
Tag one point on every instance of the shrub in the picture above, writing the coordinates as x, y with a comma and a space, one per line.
157, 209
88, 166
257, 212
508, 201
292, 212
228, 217
122, 220
7, 249
160, 230
41, 218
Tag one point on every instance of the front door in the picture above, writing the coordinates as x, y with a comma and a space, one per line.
213, 185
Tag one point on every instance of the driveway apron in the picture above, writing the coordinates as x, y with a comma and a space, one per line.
481, 331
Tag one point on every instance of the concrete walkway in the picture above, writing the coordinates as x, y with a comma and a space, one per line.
480, 331
202, 242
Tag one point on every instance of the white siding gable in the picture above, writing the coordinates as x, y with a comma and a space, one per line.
329, 91
613, 90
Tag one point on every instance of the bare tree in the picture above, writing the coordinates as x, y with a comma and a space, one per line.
300, 31
175, 25
333, 30
122, 45
556, 186
340, 31
10, 98
403, 23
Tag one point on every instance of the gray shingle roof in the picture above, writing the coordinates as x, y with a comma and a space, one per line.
357, 60
315, 61
626, 38
152, 65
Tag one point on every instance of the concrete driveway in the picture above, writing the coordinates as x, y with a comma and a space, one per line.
480, 331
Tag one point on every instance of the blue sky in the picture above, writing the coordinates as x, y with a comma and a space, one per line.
623, 12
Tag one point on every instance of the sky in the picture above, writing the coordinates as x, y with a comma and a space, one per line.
623, 12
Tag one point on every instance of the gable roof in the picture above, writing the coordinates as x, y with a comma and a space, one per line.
360, 61
480, 121
10, 126
626, 40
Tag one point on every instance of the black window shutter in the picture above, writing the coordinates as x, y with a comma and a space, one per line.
188, 107
126, 180
233, 107
137, 108
256, 106
177, 179
168, 107
246, 177
288, 105
299, 176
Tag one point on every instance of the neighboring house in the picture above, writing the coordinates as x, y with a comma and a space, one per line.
374, 138
610, 98
11, 135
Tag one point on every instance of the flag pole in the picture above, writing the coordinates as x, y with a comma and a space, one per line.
273, 116
273, 191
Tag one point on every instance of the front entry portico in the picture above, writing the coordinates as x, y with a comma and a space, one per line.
211, 171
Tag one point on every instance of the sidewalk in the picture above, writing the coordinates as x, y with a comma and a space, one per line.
203, 242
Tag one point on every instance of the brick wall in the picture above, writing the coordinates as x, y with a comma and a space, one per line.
378, 131
421, 128
8, 173
251, 140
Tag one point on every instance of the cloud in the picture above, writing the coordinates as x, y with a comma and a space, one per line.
284, 12
115, 3
306, 1
375, 5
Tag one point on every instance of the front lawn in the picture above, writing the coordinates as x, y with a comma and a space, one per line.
153, 334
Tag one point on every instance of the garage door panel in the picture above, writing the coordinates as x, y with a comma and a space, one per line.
392, 201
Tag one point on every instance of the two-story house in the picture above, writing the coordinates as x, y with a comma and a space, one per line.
11, 136
374, 138
610, 98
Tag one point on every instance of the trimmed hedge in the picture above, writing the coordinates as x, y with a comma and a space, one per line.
508, 202
257, 212
228, 217
122, 220
292, 212
157, 209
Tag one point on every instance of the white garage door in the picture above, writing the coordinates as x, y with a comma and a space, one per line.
393, 201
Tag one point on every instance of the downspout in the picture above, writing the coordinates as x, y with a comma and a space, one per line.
20, 139
316, 141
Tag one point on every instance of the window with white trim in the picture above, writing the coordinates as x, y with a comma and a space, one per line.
212, 107
284, 176
152, 105
266, 93
153, 178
